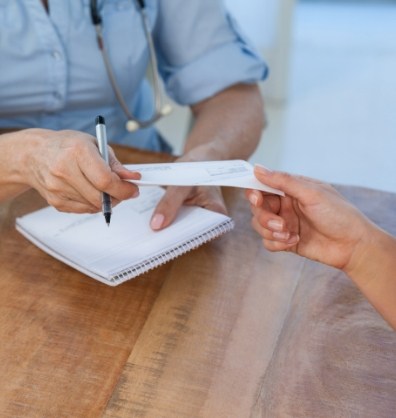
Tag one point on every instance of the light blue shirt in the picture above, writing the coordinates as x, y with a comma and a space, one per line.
53, 75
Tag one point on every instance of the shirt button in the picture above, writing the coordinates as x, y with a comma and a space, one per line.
56, 55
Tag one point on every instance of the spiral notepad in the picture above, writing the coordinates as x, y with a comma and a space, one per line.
128, 247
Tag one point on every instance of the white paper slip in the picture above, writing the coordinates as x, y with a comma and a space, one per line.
233, 173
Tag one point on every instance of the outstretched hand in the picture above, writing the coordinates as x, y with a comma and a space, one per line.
312, 220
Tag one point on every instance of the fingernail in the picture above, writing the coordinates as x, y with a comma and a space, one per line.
157, 221
261, 169
275, 225
136, 194
281, 235
253, 199
137, 174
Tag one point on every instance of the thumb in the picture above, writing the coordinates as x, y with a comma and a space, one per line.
168, 207
293, 186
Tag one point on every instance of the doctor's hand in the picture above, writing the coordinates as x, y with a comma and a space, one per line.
176, 196
168, 207
313, 220
66, 168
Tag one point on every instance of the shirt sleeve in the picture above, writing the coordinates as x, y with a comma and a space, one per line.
201, 50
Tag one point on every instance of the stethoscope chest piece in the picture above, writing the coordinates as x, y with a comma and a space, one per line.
133, 125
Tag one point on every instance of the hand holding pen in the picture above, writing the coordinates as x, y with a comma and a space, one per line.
101, 136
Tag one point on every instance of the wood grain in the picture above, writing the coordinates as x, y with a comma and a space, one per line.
228, 330
211, 331
64, 337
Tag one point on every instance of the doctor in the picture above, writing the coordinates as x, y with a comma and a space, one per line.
63, 63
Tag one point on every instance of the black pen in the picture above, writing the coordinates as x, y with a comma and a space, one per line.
101, 137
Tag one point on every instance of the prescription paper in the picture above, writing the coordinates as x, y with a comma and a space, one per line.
233, 173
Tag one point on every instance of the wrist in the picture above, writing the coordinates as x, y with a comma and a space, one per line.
210, 151
367, 254
374, 273
23, 146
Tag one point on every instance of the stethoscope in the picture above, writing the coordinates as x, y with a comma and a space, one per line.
161, 108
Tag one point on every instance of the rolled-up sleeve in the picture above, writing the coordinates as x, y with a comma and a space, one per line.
202, 50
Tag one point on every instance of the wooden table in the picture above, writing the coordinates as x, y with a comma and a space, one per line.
228, 330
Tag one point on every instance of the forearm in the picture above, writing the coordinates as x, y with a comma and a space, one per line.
13, 156
228, 125
374, 272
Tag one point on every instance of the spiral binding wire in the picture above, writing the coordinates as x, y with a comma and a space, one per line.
159, 259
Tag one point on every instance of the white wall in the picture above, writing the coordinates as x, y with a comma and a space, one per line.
269, 24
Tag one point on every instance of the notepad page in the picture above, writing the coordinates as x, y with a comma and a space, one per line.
88, 244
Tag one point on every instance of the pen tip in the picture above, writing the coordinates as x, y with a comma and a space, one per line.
107, 218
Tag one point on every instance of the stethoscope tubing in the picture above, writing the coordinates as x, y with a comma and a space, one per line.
160, 109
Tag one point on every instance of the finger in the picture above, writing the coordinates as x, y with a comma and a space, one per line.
71, 206
270, 221
168, 206
275, 246
271, 205
261, 230
120, 170
101, 178
288, 212
268, 232
285, 237
75, 186
294, 186
261, 199
255, 197
272, 202
76, 207
62, 189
